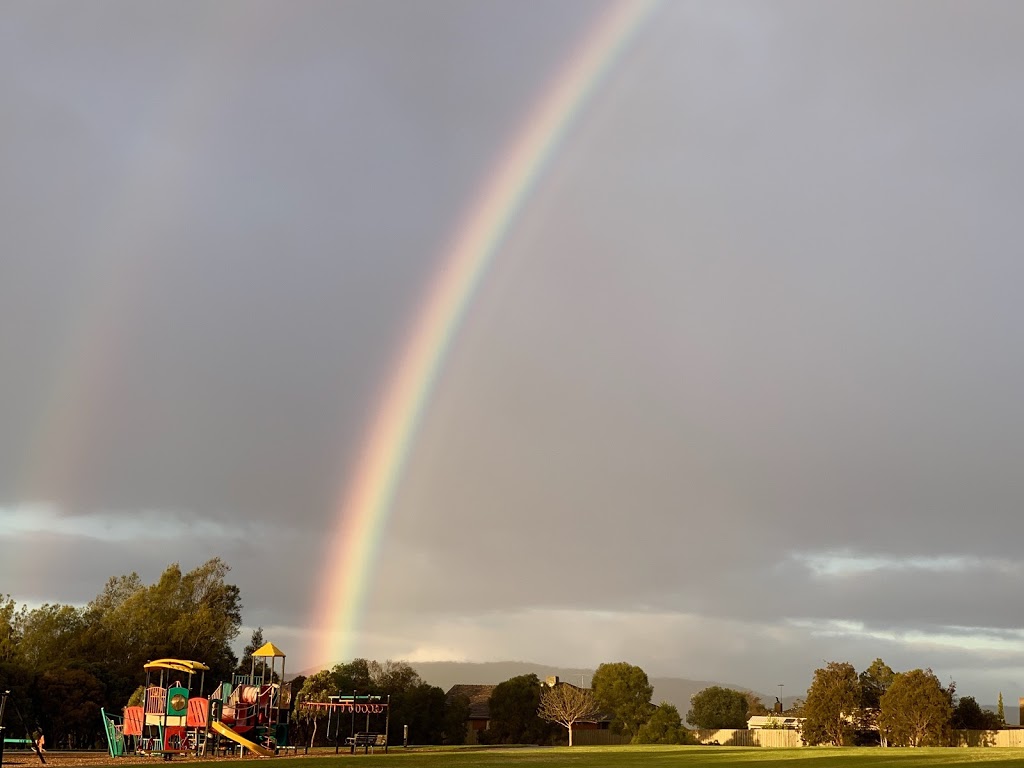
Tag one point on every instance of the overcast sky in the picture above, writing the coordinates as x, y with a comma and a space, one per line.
741, 392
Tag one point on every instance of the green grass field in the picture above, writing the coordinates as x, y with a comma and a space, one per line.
663, 757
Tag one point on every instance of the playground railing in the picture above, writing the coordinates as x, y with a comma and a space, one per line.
156, 700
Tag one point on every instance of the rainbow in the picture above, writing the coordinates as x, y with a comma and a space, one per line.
366, 500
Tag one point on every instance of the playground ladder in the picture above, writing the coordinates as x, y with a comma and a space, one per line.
115, 734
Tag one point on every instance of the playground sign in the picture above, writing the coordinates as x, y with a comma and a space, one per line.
369, 705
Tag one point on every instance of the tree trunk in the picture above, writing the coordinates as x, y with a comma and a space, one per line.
570, 734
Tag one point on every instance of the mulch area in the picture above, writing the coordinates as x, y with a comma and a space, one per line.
26, 759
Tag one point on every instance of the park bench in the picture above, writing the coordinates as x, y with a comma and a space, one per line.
367, 741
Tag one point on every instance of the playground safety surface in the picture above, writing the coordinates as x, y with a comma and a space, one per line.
74, 759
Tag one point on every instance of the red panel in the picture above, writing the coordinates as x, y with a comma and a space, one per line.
133, 721
174, 737
197, 709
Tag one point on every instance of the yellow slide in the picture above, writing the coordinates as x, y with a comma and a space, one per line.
252, 746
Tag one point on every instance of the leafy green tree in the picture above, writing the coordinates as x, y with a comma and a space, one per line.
69, 706
874, 682
354, 676
208, 618
623, 690
422, 707
832, 701
393, 676
10, 637
513, 708
20, 681
52, 636
193, 615
566, 705
664, 726
755, 706
1000, 712
456, 717
916, 710
413, 702
317, 688
969, 716
718, 707
119, 635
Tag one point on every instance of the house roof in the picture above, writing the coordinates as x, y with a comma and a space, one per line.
479, 699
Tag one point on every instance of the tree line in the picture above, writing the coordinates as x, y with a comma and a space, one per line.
62, 663
431, 717
523, 710
880, 706
842, 707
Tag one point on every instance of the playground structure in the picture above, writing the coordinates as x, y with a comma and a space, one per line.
248, 713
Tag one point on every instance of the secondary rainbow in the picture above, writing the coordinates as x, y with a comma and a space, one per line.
366, 500
138, 206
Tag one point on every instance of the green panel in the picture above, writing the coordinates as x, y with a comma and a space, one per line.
177, 701
281, 734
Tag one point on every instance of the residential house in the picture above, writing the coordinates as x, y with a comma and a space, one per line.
479, 707
480, 711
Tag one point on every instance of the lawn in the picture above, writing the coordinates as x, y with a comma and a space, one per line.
661, 757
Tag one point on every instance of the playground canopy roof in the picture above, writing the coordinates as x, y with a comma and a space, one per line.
178, 665
269, 650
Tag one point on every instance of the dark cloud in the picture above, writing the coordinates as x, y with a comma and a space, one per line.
738, 395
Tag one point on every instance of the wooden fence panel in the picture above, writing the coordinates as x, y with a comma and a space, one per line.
1006, 738
767, 737
598, 738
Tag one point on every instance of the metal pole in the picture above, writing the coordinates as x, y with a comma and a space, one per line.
330, 711
163, 732
3, 705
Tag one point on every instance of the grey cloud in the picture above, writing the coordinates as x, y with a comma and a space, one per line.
762, 305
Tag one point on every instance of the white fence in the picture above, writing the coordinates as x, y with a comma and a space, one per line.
786, 738
1014, 738
770, 737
